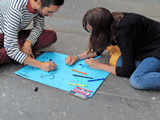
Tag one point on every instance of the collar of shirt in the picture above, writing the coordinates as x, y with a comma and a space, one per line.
30, 9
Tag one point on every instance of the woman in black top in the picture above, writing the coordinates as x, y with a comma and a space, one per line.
138, 38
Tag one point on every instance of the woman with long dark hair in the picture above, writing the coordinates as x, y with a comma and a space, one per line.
138, 38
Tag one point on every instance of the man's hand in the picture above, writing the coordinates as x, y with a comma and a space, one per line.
45, 66
27, 49
70, 60
48, 66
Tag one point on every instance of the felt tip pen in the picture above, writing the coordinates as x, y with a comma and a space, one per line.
51, 61
95, 80
77, 84
79, 71
79, 91
80, 81
97, 57
81, 64
83, 89
82, 76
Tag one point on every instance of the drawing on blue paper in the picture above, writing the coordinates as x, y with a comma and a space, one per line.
60, 77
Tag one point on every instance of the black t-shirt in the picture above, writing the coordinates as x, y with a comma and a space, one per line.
138, 37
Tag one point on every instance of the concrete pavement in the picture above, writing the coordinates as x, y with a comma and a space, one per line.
114, 100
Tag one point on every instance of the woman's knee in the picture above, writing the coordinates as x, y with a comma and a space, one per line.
136, 83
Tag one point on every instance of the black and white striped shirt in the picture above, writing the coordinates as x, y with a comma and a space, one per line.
14, 16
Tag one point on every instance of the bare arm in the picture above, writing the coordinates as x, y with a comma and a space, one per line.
45, 66
94, 64
85, 55
32, 62
107, 68
70, 60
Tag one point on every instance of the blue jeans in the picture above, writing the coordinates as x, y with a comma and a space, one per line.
146, 75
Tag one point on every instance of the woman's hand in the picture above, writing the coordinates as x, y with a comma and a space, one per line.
70, 60
94, 64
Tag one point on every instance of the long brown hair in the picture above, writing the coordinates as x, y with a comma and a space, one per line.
103, 28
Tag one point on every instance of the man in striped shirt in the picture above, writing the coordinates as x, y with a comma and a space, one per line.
17, 43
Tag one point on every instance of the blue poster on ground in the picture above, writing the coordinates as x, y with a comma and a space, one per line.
63, 75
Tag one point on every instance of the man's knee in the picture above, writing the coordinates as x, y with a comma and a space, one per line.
4, 58
53, 36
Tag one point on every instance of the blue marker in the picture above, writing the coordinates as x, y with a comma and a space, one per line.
93, 59
97, 57
81, 64
51, 61
95, 80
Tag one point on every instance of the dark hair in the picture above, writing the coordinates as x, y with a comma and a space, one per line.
47, 3
103, 28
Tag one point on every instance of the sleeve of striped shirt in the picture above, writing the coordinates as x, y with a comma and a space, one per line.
11, 29
38, 26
